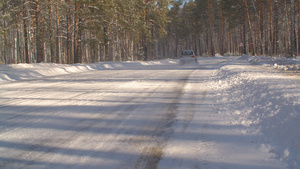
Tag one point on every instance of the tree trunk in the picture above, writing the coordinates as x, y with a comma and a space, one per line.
251, 46
145, 34
106, 42
76, 54
52, 56
221, 30
269, 46
211, 28
20, 57
298, 15
260, 27
25, 34
58, 58
145, 47
276, 29
5, 36
39, 35
244, 47
70, 57
79, 45
293, 38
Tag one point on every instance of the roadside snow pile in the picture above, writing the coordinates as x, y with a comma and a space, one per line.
266, 103
218, 55
282, 63
17, 72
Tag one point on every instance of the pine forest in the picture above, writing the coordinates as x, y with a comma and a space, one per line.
89, 31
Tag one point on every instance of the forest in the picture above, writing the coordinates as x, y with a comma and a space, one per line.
89, 31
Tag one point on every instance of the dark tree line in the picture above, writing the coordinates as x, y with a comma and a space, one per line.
87, 31
76, 31
254, 27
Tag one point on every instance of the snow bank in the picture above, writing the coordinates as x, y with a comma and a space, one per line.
282, 63
17, 72
218, 55
265, 102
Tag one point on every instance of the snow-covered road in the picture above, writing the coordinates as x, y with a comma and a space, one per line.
207, 116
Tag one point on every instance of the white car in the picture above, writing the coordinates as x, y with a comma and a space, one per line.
187, 56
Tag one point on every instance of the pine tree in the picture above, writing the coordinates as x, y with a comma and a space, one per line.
293, 38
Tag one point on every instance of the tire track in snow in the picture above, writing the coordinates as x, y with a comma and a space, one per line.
152, 154
42, 149
191, 109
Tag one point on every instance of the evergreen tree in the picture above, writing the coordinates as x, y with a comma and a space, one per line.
77, 31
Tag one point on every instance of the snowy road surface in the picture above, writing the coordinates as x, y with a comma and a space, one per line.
223, 113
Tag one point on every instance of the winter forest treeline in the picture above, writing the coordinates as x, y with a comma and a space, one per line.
88, 31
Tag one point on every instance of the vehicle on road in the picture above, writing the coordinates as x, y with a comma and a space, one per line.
187, 56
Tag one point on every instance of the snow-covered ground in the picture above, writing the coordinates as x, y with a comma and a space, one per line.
282, 63
17, 72
225, 113
265, 102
